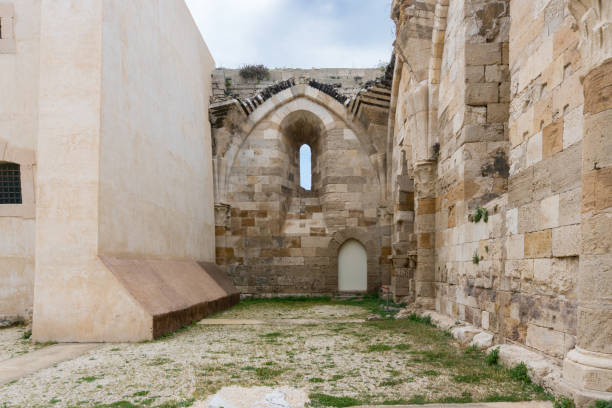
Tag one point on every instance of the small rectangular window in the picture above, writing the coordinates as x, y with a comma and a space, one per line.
10, 183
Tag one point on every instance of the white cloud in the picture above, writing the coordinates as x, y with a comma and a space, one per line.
296, 33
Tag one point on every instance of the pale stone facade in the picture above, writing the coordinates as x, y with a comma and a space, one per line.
122, 208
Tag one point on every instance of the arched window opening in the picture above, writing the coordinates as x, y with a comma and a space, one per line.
305, 167
10, 183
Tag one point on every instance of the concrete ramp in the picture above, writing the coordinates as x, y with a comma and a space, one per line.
174, 293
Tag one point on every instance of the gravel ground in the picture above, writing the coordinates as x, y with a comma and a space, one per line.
364, 360
13, 344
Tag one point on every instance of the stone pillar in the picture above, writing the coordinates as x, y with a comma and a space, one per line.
424, 228
403, 239
588, 367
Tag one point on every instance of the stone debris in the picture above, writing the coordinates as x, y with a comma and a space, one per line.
256, 397
482, 340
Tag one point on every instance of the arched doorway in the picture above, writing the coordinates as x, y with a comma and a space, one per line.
352, 267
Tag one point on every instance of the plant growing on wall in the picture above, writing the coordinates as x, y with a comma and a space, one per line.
254, 72
480, 214
475, 258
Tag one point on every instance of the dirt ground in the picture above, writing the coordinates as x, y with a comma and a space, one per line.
326, 348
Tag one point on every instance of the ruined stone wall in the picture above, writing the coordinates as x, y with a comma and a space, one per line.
19, 68
275, 237
509, 182
227, 83
457, 122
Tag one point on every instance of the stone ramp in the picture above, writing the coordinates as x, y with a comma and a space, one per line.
289, 397
174, 293
40, 359
525, 404
272, 322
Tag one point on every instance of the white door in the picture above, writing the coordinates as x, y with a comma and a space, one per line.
352, 267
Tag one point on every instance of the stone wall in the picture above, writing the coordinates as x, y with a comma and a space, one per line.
228, 84
156, 181
124, 209
19, 65
494, 186
273, 236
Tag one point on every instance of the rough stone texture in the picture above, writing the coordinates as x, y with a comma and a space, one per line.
274, 236
532, 152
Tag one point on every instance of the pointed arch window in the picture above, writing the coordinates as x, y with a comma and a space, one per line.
10, 183
305, 167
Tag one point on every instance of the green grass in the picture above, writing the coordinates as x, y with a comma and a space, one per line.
379, 347
493, 357
324, 400
265, 373
520, 373
601, 404
471, 379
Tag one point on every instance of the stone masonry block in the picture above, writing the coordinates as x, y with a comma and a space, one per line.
474, 74
538, 244
497, 112
552, 139
483, 53
566, 241
481, 94
549, 211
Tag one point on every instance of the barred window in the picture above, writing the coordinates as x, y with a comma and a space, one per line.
10, 183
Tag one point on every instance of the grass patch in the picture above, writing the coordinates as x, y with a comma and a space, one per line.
379, 347
520, 373
470, 379
421, 319
266, 373
316, 380
493, 357
89, 379
324, 400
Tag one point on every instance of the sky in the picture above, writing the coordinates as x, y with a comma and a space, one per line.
296, 33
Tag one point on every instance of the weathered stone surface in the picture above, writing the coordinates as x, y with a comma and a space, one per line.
482, 340
538, 244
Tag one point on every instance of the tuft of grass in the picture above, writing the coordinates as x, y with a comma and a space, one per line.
421, 319
316, 380
324, 400
273, 335
520, 373
597, 404
471, 378
475, 258
493, 357
402, 346
480, 214
564, 402
89, 379
265, 373
502, 398
27, 334
379, 347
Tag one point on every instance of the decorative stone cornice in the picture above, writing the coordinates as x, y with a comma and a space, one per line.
594, 19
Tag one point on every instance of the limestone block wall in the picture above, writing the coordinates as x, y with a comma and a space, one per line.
494, 122
273, 236
227, 83
19, 73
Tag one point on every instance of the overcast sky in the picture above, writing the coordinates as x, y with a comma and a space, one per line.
296, 33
